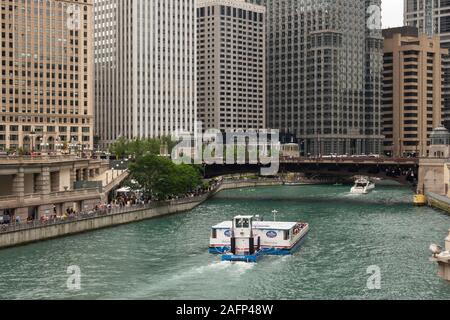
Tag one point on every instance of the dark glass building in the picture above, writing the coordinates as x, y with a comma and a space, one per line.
324, 66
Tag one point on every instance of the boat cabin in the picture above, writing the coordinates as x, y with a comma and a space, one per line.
243, 236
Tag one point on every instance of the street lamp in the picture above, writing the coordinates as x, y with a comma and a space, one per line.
39, 142
58, 146
80, 148
44, 147
72, 146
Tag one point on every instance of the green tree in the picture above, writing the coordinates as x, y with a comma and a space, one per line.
160, 178
119, 148
171, 144
137, 148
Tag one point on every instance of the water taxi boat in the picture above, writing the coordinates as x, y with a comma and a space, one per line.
362, 186
247, 239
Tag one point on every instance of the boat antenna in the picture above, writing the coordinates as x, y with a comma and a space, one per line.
274, 215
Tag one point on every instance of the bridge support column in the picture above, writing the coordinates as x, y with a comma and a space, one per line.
18, 186
54, 179
79, 175
86, 174
43, 182
431, 176
73, 178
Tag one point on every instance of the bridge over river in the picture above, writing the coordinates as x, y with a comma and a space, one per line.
403, 170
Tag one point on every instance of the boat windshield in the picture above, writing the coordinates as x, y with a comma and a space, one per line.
361, 185
242, 223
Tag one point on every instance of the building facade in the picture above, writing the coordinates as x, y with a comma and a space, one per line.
145, 68
324, 65
432, 17
412, 100
231, 70
44, 186
47, 75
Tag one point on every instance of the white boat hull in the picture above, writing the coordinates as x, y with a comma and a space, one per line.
365, 190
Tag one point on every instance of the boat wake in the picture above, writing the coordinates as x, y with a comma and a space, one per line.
236, 267
376, 197
188, 278
211, 269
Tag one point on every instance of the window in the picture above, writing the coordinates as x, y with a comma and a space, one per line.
242, 223
287, 235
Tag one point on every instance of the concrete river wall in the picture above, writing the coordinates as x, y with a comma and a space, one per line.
25, 234
438, 201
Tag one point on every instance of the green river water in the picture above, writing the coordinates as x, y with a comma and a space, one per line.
167, 258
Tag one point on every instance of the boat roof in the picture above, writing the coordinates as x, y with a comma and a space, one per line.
263, 225
244, 217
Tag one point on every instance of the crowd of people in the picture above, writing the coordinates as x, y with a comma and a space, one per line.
396, 172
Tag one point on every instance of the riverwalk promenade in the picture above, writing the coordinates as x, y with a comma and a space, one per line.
25, 233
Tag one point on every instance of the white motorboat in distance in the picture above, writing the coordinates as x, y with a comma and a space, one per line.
362, 186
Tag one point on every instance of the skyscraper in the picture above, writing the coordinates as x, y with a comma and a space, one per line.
324, 64
412, 101
47, 68
432, 17
231, 64
145, 68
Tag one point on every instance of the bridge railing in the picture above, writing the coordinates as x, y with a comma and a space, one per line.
349, 160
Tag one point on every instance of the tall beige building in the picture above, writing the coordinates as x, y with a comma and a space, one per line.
145, 69
231, 74
412, 99
433, 18
47, 75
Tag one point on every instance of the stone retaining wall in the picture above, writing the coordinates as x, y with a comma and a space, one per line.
438, 201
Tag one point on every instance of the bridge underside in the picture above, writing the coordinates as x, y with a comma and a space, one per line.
405, 174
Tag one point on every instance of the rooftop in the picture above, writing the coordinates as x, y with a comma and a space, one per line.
240, 4
406, 31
